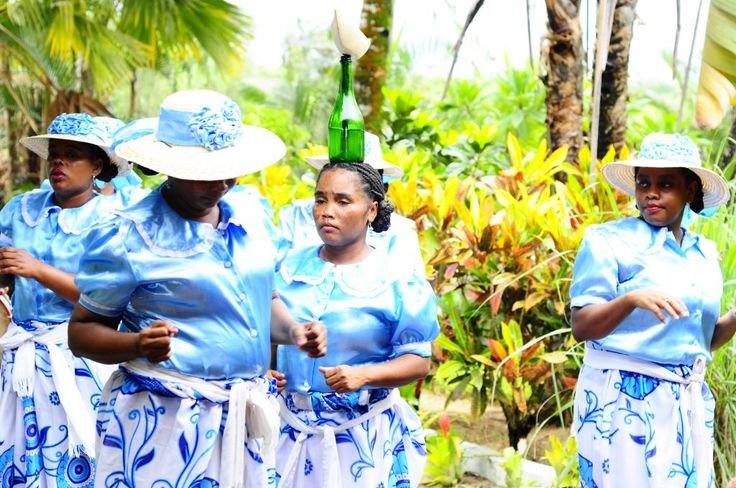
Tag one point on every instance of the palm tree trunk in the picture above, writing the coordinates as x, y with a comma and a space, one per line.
564, 77
614, 87
133, 95
6, 167
372, 68
730, 150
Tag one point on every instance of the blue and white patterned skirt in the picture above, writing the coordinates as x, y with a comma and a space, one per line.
150, 437
34, 431
386, 450
633, 430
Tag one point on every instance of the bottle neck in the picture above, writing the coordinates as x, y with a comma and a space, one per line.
346, 74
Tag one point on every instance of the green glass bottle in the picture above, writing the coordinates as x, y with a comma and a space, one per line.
346, 130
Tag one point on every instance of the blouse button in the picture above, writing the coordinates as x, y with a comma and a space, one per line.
241, 297
228, 264
254, 333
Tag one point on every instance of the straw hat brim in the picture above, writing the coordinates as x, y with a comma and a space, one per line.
40, 146
620, 175
390, 170
254, 150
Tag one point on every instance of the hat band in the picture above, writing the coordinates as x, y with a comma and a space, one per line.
173, 128
211, 128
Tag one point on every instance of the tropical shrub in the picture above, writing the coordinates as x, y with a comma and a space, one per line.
444, 454
499, 251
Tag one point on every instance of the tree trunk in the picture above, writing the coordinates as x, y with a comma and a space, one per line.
6, 167
614, 84
563, 58
730, 150
133, 96
371, 70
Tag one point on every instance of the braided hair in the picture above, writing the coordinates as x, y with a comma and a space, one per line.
372, 185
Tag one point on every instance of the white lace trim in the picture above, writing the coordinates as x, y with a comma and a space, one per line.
25, 212
85, 300
206, 245
424, 347
67, 221
360, 280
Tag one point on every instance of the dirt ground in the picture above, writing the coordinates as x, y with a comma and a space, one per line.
489, 430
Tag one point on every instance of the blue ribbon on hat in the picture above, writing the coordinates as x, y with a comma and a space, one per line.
211, 127
133, 130
79, 124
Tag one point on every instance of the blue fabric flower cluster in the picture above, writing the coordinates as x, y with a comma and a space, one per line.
676, 148
72, 124
217, 128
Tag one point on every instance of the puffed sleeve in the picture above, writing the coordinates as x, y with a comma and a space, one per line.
7, 214
404, 245
287, 218
105, 278
416, 324
596, 270
249, 199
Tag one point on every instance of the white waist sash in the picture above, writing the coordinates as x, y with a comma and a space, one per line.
691, 398
251, 413
330, 457
81, 423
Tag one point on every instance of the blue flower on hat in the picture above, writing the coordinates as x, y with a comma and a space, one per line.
675, 148
217, 128
72, 124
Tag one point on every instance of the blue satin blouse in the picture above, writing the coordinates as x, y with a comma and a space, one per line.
629, 254
372, 313
33, 222
214, 284
297, 228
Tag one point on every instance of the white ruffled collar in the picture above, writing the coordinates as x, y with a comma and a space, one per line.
167, 234
367, 278
37, 205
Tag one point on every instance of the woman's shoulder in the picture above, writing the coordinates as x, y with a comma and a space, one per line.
303, 264
35, 206
626, 232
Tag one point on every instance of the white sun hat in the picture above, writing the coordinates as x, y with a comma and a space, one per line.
80, 127
668, 151
372, 156
199, 135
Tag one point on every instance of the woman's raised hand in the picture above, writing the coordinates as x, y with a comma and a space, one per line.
343, 378
657, 303
18, 262
154, 342
310, 338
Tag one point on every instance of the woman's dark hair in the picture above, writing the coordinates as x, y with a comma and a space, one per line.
372, 186
109, 170
147, 171
697, 204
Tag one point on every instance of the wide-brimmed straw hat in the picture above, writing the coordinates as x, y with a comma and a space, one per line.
80, 127
372, 156
668, 151
199, 135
